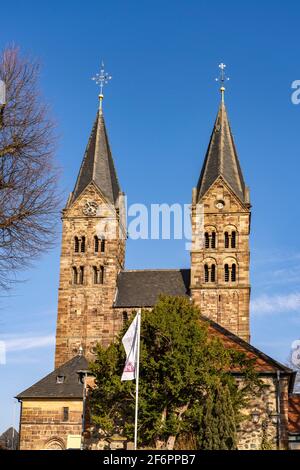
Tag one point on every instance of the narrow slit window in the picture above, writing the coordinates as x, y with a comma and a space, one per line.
96, 243
213, 273
206, 273
101, 275
233, 273
81, 275
226, 273
76, 244
226, 240
102, 245
206, 240
65, 413
124, 318
233, 239
96, 274
82, 248
213, 240
75, 275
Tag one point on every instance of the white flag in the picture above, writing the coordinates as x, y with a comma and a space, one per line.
130, 343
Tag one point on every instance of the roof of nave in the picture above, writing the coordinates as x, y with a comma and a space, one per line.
48, 387
142, 288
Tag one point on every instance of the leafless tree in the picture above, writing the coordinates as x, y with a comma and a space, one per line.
28, 177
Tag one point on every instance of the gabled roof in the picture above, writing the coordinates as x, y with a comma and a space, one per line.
221, 159
264, 363
49, 388
98, 165
142, 288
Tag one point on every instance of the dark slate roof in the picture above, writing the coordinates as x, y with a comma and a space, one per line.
49, 388
142, 288
98, 165
221, 159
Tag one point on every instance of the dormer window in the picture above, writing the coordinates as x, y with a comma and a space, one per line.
60, 379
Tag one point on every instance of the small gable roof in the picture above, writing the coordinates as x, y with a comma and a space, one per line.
48, 387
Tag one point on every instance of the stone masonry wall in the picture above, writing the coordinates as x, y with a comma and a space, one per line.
42, 423
85, 314
227, 303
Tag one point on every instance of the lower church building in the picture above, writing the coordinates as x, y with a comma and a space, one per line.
97, 294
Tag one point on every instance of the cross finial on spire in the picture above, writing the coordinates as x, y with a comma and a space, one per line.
222, 79
101, 79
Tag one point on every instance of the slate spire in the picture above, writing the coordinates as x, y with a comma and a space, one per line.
222, 160
97, 164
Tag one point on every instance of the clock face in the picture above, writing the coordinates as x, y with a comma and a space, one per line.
90, 208
220, 204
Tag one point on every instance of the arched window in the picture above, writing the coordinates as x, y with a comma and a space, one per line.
96, 244
75, 275
233, 273
79, 244
95, 270
233, 239
210, 240
76, 244
206, 273
81, 275
99, 244
226, 239
213, 273
213, 240
206, 240
226, 273
210, 272
98, 274
101, 274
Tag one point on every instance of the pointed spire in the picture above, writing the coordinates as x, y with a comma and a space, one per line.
221, 159
97, 165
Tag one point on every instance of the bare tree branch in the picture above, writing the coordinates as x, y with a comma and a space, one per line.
29, 200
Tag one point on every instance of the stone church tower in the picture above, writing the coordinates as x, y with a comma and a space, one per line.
92, 253
220, 230
97, 294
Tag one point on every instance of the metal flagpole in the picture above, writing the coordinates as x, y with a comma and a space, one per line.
137, 378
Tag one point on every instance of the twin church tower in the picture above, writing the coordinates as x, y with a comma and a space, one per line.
96, 293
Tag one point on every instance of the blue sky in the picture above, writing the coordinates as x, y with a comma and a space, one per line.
159, 110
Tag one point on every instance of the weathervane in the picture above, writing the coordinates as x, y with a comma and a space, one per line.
222, 79
101, 79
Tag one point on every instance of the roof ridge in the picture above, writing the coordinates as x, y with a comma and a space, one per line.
153, 269
244, 343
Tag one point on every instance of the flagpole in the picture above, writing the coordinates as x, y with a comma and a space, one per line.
137, 379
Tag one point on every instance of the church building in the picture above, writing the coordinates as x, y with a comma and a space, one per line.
97, 294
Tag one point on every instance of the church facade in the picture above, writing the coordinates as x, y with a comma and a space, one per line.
97, 294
